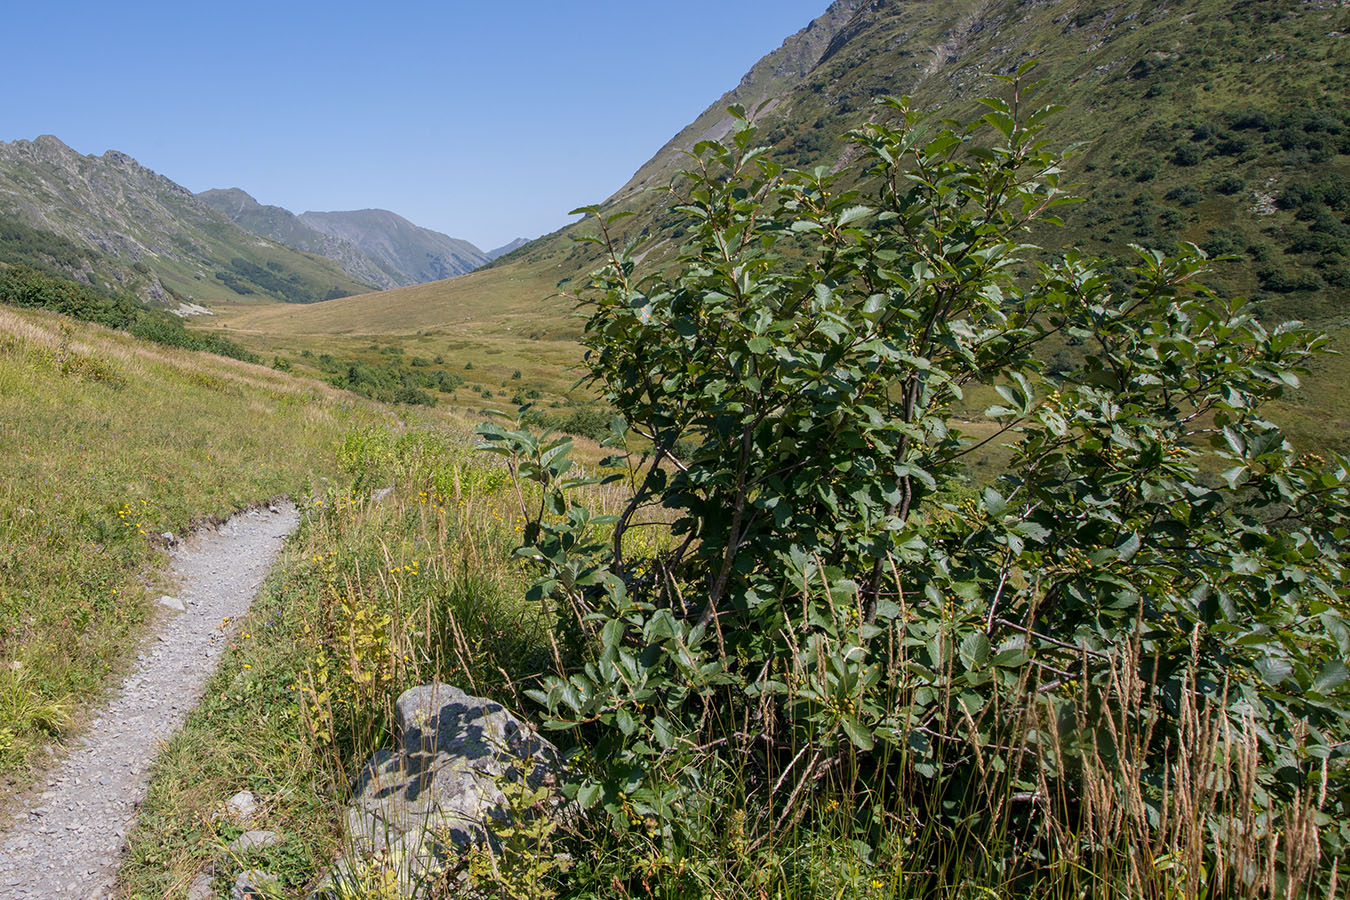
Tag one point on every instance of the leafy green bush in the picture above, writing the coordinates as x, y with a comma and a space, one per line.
1110, 664
23, 286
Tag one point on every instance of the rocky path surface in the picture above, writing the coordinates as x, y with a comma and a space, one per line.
66, 842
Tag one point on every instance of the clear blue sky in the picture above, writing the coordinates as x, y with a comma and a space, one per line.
482, 120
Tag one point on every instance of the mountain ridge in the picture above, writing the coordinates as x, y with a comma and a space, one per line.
378, 246
1220, 124
284, 226
145, 233
397, 246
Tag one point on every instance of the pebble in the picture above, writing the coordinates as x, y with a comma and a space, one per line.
69, 846
254, 840
241, 807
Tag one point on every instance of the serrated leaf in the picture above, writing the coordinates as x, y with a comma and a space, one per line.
1332, 676
588, 794
974, 650
1273, 669
857, 733
854, 214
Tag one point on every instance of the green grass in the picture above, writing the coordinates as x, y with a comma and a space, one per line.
108, 442
434, 558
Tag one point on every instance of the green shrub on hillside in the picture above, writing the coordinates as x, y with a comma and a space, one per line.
27, 287
1118, 670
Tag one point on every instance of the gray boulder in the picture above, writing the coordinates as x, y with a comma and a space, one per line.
440, 790
254, 840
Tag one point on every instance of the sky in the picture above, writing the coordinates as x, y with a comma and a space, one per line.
486, 121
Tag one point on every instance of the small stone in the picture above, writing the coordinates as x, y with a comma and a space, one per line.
168, 538
200, 889
255, 884
273, 510
173, 603
242, 806
254, 840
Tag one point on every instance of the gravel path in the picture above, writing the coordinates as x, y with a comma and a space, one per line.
65, 844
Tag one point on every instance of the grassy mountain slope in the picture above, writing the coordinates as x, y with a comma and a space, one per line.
285, 227
1218, 123
146, 233
408, 253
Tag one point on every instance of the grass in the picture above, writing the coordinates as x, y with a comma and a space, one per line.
109, 442
496, 324
371, 597
375, 595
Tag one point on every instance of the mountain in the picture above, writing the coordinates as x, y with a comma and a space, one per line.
118, 222
1220, 123
406, 252
285, 227
373, 245
507, 248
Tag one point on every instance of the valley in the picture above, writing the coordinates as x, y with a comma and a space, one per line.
924, 561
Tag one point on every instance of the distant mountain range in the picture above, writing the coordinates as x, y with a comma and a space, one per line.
1219, 122
110, 221
375, 245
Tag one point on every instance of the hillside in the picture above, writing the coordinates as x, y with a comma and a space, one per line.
112, 220
373, 245
507, 248
285, 227
1217, 123
408, 253
110, 441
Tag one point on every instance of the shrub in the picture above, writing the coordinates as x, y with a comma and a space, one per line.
1104, 657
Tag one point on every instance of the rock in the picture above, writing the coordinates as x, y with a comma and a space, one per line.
255, 884
439, 790
241, 807
254, 840
200, 889
173, 603
168, 538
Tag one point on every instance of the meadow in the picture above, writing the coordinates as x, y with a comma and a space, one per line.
107, 443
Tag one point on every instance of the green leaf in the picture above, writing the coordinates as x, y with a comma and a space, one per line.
1332, 676
853, 214
859, 734
588, 794
1273, 669
974, 650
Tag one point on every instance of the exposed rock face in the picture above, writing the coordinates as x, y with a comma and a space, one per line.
407, 252
141, 228
769, 79
285, 227
440, 790
374, 245
507, 248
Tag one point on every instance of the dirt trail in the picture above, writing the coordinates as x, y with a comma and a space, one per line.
66, 842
